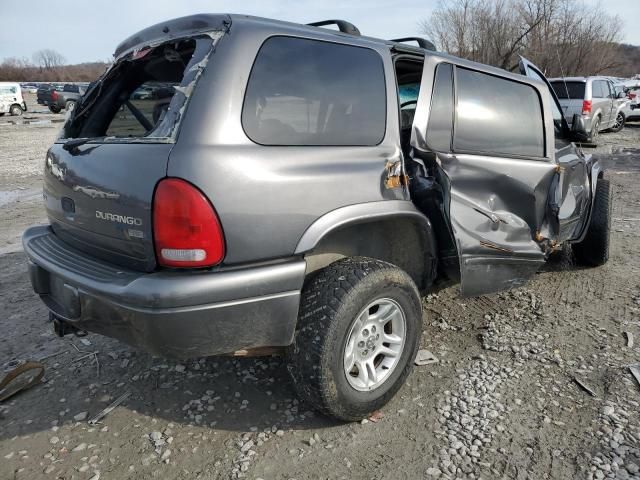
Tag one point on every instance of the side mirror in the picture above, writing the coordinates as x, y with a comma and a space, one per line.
578, 130
621, 95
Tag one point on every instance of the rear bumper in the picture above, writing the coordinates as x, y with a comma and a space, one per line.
170, 313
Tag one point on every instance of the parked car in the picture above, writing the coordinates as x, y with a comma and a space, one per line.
66, 98
593, 98
627, 112
289, 199
632, 90
60, 97
11, 100
29, 87
43, 94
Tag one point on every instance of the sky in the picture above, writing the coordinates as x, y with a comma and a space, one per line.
89, 30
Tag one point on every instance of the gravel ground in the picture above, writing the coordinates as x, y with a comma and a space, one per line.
501, 402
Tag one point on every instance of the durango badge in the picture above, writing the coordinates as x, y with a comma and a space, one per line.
113, 217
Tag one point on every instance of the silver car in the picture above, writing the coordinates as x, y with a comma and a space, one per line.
595, 98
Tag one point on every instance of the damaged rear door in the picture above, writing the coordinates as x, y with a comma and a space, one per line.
482, 133
570, 197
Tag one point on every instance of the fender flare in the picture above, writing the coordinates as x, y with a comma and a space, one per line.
360, 213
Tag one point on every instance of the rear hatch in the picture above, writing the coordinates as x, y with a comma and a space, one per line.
571, 95
101, 174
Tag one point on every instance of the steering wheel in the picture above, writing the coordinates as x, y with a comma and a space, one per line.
410, 102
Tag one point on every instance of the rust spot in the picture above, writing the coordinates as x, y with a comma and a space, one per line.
396, 181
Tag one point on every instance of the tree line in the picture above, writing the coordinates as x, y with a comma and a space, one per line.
562, 37
48, 66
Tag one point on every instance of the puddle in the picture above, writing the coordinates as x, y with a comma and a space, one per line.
10, 196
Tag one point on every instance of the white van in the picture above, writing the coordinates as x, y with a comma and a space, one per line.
11, 100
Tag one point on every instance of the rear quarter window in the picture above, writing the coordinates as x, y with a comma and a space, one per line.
569, 90
497, 116
310, 92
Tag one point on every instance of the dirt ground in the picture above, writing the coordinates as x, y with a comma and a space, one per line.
501, 403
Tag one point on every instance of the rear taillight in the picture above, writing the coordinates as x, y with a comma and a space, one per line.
631, 96
586, 107
54, 95
186, 229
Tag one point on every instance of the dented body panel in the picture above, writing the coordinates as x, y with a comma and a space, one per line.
506, 212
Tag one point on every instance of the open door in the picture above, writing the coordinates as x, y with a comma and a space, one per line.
482, 135
571, 195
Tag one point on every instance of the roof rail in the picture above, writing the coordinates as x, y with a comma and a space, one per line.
422, 42
343, 26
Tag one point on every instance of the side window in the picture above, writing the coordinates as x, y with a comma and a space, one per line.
496, 115
598, 89
440, 123
310, 92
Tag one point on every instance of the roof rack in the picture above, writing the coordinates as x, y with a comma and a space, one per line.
343, 26
422, 42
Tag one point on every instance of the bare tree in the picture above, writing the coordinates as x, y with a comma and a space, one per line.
560, 36
48, 59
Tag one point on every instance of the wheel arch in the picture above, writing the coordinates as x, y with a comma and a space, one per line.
393, 231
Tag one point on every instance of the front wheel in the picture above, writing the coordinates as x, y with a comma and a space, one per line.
358, 332
15, 110
54, 109
593, 250
70, 105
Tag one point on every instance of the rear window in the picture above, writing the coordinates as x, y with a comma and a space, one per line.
141, 97
309, 92
569, 90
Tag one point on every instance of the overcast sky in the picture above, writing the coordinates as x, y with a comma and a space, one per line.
89, 30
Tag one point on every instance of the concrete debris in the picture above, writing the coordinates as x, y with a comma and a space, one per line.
629, 336
425, 357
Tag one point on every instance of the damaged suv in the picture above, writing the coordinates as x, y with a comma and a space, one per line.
296, 188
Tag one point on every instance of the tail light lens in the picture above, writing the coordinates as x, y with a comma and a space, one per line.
586, 107
186, 229
632, 96
54, 95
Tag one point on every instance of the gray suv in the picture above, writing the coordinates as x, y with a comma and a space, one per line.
595, 99
294, 188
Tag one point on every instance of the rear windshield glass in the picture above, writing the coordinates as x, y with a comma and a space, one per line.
569, 90
141, 98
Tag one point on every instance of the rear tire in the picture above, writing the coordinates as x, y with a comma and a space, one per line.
619, 123
595, 132
594, 249
54, 109
15, 110
70, 105
340, 308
